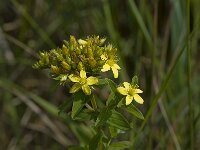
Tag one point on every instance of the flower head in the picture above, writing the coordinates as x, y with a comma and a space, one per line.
131, 93
79, 54
82, 82
110, 64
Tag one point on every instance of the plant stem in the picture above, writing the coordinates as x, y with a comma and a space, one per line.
93, 102
189, 78
89, 107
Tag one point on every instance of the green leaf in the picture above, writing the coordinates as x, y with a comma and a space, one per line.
102, 82
134, 111
64, 106
119, 145
134, 80
95, 141
121, 103
110, 99
113, 131
112, 85
118, 120
86, 115
78, 103
103, 116
114, 97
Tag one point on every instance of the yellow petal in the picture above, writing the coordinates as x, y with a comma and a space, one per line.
92, 80
83, 42
122, 90
74, 78
103, 57
138, 91
126, 85
115, 72
75, 88
86, 89
116, 66
138, 99
105, 68
82, 74
129, 99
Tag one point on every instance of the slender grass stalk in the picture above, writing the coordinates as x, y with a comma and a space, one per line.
151, 43
140, 21
33, 23
162, 88
191, 129
21, 45
168, 76
114, 35
166, 118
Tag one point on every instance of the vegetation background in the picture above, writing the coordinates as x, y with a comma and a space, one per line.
158, 40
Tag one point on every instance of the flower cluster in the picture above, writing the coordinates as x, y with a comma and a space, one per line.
78, 57
90, 55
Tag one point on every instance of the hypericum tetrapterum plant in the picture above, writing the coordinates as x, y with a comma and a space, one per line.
81, 64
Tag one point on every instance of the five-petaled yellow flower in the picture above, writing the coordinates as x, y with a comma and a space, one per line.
82, 82
130, 93
110, 63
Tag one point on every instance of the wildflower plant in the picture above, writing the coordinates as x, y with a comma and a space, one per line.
81, 64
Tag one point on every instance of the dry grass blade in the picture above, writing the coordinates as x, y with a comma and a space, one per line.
58, 135
166, 118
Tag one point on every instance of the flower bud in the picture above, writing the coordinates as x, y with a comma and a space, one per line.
65, 50
68, 60
66, 65
99, 52
54, 69
90, 53
73, 65
102, 41
92, 62
80, 66
44, 58
82, 42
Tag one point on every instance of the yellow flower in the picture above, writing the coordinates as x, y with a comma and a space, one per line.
82, 82
110, 63
130, 93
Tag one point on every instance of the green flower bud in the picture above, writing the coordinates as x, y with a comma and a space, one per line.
92, 62
65, 50
73, 43
78, 51
80, 66
66, 65
99, 52
102, 41
90, 53
73, 65
44, 59
82, 42
68, 60
54, 69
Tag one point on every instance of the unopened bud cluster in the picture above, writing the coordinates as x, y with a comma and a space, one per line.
90, 55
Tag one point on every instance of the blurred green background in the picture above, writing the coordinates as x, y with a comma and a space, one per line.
158, 40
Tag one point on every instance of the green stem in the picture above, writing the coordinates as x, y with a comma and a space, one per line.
89, 107
189, 78
93, 102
